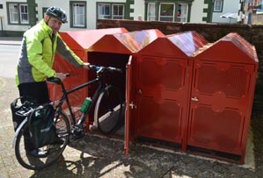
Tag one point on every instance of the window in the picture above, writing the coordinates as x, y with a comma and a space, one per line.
182, 12
78, 14
166, 12
110, 11
218, 5
118, 11
151, 12
13, 13
23, 14
18, 13
104, 11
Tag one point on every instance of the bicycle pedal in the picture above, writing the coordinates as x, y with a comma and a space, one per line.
77, 135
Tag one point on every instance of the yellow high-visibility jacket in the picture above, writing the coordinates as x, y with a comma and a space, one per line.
37, 54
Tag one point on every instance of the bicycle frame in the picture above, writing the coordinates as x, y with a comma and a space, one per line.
101, 85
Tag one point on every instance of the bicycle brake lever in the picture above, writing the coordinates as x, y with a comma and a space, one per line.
114, 69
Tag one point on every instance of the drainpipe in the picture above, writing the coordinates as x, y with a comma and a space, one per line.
1, 21
32, 12
241, 11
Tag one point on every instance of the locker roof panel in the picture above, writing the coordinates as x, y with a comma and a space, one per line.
188, 42
132, 41
230, 48
179, 45
83, 39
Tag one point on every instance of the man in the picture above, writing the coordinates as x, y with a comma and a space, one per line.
39, 45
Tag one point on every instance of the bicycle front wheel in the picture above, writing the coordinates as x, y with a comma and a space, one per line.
53, 150
108, 113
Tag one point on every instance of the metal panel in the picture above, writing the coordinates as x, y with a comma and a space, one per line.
164, 74
219, 105
222, 95
79, 41
232, 48
126, 43
128, 105
86, 38
161, 98
188, 42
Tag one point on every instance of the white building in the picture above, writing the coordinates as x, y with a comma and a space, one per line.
231, 10
17, 16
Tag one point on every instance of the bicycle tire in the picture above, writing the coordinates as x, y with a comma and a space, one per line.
54, 150
108, 112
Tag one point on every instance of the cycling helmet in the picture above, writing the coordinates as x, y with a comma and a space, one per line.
57, 13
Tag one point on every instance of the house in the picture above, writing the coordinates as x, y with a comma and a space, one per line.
221, 7
254, 11
17, 16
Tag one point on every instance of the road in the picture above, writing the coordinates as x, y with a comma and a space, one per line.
8, 60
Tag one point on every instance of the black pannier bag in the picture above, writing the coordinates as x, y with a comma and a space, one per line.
42, 128
19, 108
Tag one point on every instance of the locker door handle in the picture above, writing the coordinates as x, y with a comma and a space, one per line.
194, 99
132, 105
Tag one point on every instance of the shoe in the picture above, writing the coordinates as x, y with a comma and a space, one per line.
37, 153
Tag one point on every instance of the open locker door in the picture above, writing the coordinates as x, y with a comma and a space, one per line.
128, 105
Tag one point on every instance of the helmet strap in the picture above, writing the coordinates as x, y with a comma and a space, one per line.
47, 18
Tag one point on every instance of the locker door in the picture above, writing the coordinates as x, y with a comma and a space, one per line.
128, 106
161, 98
219, 105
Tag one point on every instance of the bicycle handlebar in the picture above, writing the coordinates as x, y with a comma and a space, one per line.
98, 69
55, 80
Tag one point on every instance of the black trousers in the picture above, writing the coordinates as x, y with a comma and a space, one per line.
39, 92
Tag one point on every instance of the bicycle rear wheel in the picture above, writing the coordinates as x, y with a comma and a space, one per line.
53, 150
108, 113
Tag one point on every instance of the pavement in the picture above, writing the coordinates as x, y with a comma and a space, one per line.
10, 40
98, 156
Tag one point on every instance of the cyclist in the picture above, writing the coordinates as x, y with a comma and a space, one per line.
39, 45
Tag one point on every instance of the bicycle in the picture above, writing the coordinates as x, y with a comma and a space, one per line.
108, 103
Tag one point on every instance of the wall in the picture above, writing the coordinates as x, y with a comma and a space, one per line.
138, 9
48, 3
6, 26
197, 14
211, 32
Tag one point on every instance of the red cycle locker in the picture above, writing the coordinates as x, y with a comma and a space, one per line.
163, 78
222, 95
79, 42
120, 50
115, 49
